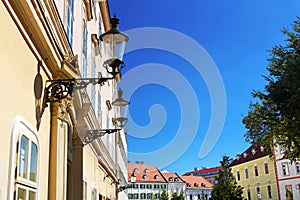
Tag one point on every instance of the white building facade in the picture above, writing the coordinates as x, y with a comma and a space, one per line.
197, 187
288, 176
150, 182
175, 183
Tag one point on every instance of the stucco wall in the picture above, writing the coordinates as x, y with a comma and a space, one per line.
18, 69
262, 181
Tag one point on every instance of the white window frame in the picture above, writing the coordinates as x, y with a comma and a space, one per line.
238, 175
266, 168
285, 168
22, 127
84, 188
297, 167
69, 20
246, 173
256, 172
84, 49
94, 189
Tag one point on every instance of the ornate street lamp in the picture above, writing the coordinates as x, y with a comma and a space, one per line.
114, 43
90, 135
132, 181
123, 105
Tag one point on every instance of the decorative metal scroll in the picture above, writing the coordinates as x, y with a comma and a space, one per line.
91, 135
62, 88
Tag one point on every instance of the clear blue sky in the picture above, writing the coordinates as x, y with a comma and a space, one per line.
236, 34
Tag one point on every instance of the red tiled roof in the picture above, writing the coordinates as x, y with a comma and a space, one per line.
196, 182
206, 170
255, 151
169, 175
145, 173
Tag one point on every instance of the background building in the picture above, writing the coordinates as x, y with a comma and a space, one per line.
175, 183
255, 171
197, 187
207, 173
288, 175
149, 181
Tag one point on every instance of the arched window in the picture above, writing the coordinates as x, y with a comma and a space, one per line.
24, 171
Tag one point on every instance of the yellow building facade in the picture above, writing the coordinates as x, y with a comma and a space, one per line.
42, 154
18, 71
255, 172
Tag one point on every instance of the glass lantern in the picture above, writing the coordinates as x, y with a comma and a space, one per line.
114, 41
123, 105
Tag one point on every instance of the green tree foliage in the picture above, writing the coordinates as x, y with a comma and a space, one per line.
164, 195
226, 188
152, 197
275, 118
181, 196
202, 195
176, 196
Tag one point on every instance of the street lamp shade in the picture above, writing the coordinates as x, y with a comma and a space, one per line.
114, 41
133, 178
122, 103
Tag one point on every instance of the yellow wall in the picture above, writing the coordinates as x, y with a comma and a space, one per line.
95, 176
262, 180
18, 69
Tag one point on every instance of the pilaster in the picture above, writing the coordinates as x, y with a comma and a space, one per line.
77, 168
58, 150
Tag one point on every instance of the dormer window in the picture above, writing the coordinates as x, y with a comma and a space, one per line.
195, 185
176, 179
146, 171
135, 170
253, 151
170, 179
262, 148
237, 157
156, 176
245, 155
144, 176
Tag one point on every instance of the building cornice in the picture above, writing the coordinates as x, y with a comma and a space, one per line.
44, 33
105, 15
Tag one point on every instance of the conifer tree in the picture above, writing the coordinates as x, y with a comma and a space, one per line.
226, 187
275, 118
164, 195
176, 196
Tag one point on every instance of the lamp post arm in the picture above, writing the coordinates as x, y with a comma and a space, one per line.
121, 188
62, 88
91, 135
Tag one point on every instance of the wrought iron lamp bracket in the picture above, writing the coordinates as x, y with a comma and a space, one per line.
121, 188
113, 66
62, 88
91, 135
